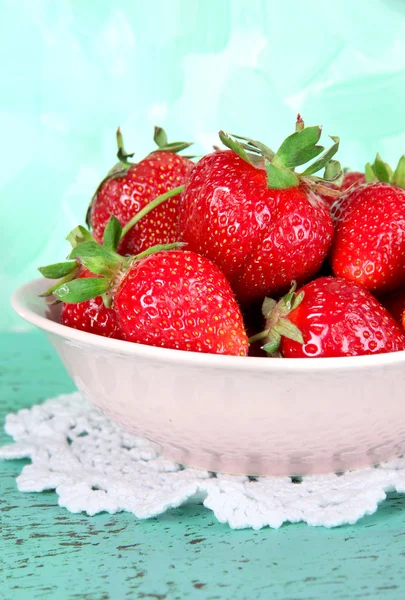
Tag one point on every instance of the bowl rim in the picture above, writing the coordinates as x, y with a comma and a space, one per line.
22, 296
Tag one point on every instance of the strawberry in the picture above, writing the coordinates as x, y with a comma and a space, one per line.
378, 171
352, 179
129, 187
162, 297
329, 317
262, 223
180, 300
91, 316
369, 242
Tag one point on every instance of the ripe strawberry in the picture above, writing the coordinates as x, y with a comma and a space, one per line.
162, 297
91, 316
330, 317
255, 217
180, 300
369, 243
129, 187
352, 179
378, 171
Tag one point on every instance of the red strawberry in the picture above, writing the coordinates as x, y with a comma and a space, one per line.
378, 171
369, 242
352, 179
180, 300
130, 187
330, 317
255, 217
166, 298
91, 316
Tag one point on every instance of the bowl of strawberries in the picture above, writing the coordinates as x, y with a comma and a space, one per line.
243, 311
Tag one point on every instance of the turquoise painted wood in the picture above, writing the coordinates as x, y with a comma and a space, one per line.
184, 554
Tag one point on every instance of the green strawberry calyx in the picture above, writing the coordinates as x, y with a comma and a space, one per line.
100, 259
277, 322
381, 171
297, 149
159, 137
161, 140
124, 164
122, 155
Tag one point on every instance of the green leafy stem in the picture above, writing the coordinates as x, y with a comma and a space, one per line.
297, 149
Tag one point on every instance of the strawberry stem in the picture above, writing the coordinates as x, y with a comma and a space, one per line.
259, 336
299, 125
121, 154
156, 248
146, 209
277, 322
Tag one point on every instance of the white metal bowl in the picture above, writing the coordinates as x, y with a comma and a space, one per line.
254, 416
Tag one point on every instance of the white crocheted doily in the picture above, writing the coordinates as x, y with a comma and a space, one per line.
95, 466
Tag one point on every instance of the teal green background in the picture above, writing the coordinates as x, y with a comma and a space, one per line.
74, 70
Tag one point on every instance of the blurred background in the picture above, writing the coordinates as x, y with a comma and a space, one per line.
72, 70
